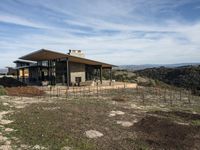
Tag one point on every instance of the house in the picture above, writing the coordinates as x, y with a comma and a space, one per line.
46, 66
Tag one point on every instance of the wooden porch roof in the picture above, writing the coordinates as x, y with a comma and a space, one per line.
44, 54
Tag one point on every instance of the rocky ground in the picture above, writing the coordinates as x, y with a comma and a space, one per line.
116, 120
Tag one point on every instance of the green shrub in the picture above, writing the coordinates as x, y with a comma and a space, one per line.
2, 90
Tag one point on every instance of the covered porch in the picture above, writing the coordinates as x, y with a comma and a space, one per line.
63, 69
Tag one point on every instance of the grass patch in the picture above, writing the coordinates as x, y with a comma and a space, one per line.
3, 107
50, 125
141, 145
64, 122
138, 144
59, 124
195, 122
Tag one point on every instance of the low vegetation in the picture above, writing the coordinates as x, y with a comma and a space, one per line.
2, 91
59, 124
10, 82
133, 77
187, 77
121, 75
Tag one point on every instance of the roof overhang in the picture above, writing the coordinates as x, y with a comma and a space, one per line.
23, 61
43, 54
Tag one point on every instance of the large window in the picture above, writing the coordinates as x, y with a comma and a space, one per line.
43, 63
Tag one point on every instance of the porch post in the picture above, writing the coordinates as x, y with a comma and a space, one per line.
101, 74
48, 70
18, 74
38, 77
54, 71
110, 76
23, 76
68, 80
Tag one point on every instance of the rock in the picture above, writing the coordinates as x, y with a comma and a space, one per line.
93, 134
4, 122
194, 112
7, 142
66, 148
39, 147
2, 138
5, 104
114, 113
182, 123
125, 123
36, 147
9, 129
5, 147
2, 114
24, 146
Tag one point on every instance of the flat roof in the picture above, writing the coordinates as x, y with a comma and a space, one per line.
45, 54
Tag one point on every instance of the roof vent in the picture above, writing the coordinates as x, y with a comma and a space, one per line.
77, 53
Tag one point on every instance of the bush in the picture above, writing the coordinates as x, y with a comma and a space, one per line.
2, 90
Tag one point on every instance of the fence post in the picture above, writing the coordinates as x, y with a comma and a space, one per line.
171, 97
189, 97
73, 91
67, 92
57, 91
89, 90
97, 90
142, 94
165, 92
180, 95
137, 90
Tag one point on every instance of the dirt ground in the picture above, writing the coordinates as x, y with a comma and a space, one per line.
113, 121
28, 91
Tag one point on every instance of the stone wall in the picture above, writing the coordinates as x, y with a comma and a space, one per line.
77, 70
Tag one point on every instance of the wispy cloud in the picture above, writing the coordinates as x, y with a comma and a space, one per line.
20, 21
132, 31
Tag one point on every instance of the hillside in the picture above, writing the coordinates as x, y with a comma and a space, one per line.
146, 66
132, 77
186, 77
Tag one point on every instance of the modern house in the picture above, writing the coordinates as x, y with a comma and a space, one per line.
46, 66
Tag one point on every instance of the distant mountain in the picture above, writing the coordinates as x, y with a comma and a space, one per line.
137, 67
145, 66
3, 71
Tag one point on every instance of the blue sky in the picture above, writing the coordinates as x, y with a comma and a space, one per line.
116, 31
